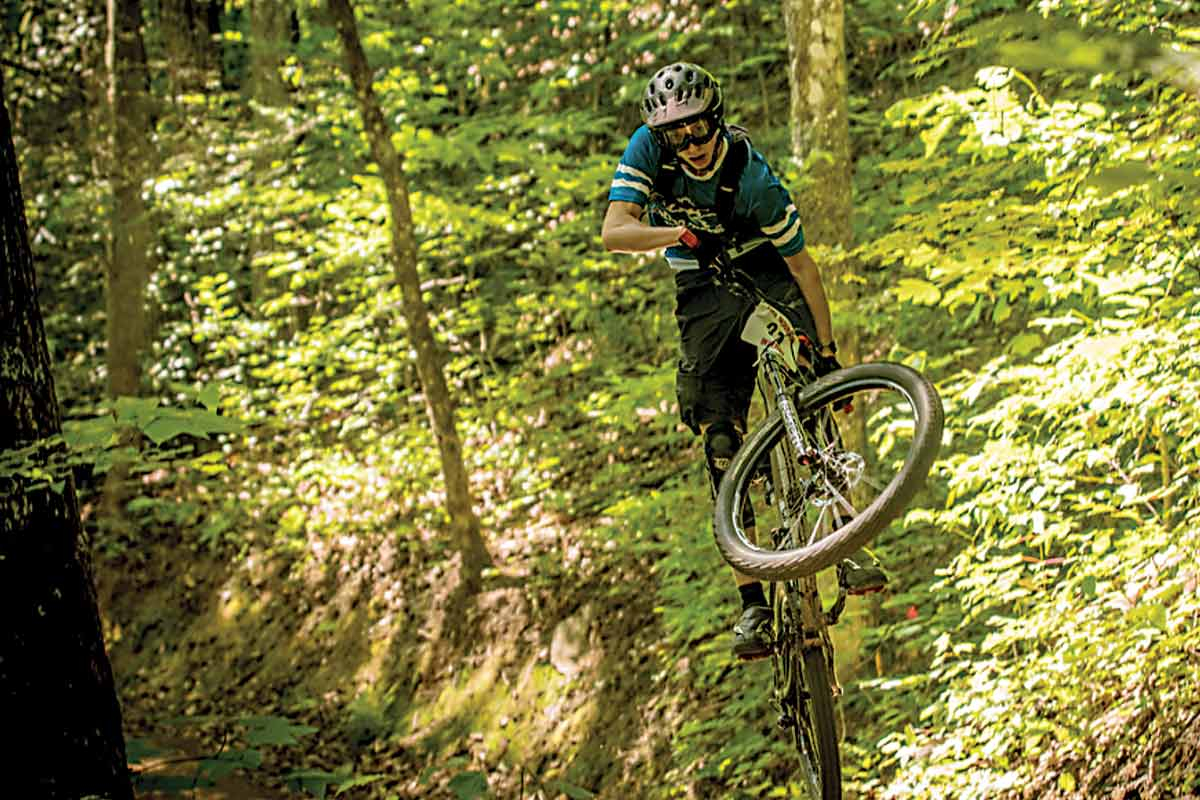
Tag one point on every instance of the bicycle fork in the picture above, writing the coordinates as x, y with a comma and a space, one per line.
791, 424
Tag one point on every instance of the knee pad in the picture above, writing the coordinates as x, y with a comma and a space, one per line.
721, 443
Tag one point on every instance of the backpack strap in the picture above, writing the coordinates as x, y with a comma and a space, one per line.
731, 175
664, 181
727, 184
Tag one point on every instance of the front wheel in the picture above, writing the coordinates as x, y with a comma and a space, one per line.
839, 481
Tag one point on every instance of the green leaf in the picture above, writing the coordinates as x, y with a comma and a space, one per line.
570, 790
314, 781
1066, 782
917, 291
274, 730
84, 434
469, 785
1025, 343
353, 783
224, 764
1001, 311
138, 750
163, 429
932, 137
210, 396
173, 422
1121, 176
136, 410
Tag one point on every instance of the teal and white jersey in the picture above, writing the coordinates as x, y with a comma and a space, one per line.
761, 202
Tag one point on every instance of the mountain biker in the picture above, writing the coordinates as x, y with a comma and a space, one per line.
683, 165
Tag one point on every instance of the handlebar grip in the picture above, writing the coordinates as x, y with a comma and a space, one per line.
689, 239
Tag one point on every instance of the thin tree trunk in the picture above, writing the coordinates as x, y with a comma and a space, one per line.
129, 266
56, 683
464, 523
270, 34
821, 141
186, 42
270, 41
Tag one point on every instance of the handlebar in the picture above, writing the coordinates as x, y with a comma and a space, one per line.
737, 281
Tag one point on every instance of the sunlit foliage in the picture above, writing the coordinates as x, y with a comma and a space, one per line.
1026, 218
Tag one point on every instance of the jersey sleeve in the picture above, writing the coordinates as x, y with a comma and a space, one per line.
634, 178
771, 207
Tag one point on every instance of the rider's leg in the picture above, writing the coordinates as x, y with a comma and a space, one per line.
721, 441
715, 383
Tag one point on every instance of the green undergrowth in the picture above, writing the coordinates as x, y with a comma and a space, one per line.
1027, 234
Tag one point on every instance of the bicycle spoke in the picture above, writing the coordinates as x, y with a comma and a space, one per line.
845, 504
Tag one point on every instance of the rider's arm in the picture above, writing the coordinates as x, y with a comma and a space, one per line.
808, 278
625, 232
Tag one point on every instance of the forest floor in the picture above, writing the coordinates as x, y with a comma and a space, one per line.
373, 668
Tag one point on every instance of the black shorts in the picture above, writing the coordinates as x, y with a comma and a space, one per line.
717, 369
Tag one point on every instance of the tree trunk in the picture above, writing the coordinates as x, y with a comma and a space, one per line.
129, 270
129, 266
56, 684
820, 119
186, 40
464, 523
821, 141
270, 40
271, 26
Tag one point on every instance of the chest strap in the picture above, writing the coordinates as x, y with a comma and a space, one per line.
727, 182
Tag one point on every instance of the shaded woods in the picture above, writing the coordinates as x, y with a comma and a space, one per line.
334, 337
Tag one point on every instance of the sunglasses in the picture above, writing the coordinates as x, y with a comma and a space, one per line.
696, 132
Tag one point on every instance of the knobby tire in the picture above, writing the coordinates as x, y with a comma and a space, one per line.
790, 564
820, 713
805, 692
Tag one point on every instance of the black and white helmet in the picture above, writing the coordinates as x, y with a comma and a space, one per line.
679, 93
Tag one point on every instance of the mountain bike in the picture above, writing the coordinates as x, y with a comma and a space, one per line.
835, 460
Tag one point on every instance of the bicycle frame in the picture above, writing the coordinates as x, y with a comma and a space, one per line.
785, 357
820, 500
803, 594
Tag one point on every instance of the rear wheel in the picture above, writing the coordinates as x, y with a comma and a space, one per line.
804, 694
848, 476
817, 726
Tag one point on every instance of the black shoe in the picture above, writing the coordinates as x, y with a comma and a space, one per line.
861, 574
750, 633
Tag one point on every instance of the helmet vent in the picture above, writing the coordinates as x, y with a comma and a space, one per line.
680, 92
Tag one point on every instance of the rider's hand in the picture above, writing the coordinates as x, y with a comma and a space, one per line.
825, 364
708, 248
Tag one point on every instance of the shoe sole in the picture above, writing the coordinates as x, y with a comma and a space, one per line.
752, 655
